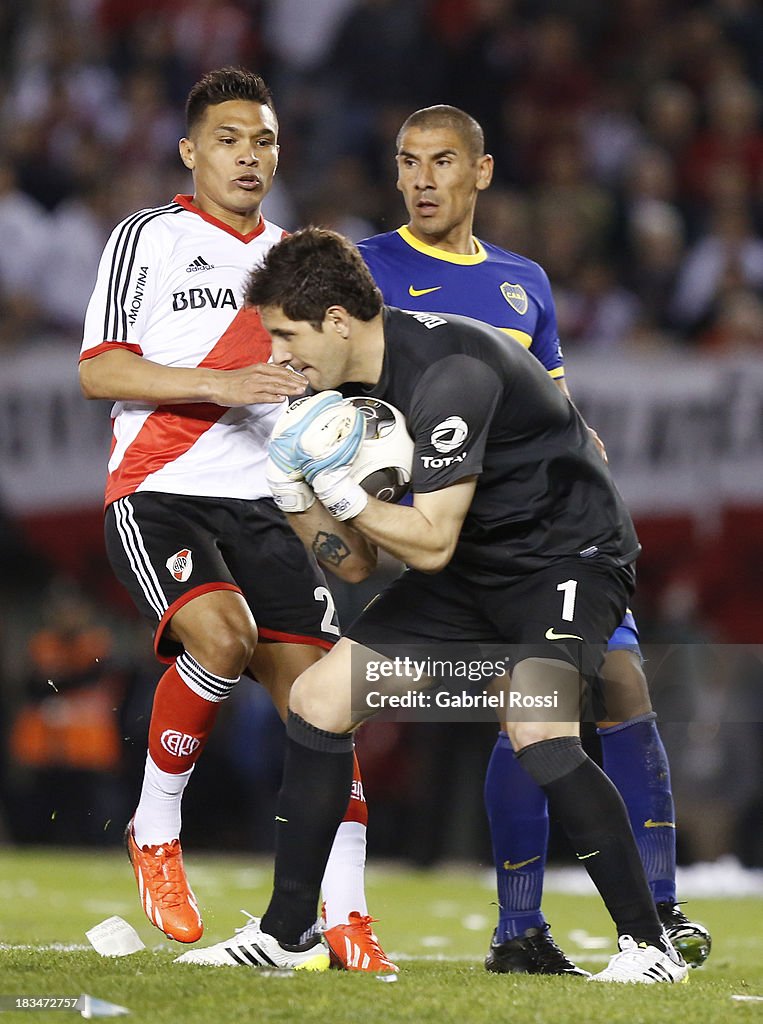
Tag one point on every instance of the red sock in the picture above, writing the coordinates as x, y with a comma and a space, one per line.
181, 722
357, 808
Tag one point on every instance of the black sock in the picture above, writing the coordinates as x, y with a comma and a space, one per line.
313, 799
594, 818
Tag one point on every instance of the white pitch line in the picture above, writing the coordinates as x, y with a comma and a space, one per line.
60, 947
433, 958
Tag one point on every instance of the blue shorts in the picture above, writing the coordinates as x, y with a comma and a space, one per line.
625, 637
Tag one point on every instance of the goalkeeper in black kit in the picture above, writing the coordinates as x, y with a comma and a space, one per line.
516, 537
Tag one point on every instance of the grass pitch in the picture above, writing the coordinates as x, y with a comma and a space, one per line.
437, 924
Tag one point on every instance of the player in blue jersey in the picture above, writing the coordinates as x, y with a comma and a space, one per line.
435, 263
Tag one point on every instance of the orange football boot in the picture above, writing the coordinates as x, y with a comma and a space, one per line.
166, 896
354, 947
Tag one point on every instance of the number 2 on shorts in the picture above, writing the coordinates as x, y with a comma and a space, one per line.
327, 623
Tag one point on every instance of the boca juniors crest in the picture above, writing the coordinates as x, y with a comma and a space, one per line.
516, 296
180, 565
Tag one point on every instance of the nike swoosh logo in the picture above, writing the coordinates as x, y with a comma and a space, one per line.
285, 820
659, 824
523, 863
415, 292
551, 634
585, 856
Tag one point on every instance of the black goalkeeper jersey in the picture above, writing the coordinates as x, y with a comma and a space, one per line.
476, 404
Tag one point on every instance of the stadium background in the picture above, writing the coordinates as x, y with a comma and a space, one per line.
629, 161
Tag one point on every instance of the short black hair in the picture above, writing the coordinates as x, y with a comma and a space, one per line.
309, 271
443, 116
228, 83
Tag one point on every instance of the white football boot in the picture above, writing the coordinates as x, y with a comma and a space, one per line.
639, 963
252, 947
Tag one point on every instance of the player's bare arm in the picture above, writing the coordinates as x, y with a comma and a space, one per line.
423, 536
561, 383
125, 376
337, 545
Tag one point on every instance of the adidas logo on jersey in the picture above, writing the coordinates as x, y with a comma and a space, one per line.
198, 264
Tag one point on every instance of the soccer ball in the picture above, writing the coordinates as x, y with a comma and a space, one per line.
383, 465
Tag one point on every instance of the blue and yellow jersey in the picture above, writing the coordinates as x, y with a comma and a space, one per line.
498, 287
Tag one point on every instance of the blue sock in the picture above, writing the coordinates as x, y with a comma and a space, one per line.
635, 760
518, 816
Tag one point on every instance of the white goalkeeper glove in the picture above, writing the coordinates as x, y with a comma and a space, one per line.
314, 443
282, 447
339, 494
288, 494
321, 432
332, 440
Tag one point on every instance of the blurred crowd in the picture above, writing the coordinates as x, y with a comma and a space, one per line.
627, 138
75, 704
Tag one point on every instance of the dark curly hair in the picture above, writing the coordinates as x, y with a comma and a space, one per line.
229, 83
309, 271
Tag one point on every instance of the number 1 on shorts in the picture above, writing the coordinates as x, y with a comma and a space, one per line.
568, 605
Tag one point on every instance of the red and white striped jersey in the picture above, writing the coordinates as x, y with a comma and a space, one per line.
170, 288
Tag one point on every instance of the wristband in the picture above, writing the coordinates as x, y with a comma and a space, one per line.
341, 496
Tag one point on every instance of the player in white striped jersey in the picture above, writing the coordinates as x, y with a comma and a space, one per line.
191, 529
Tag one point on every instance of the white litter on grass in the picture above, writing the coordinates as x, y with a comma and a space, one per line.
388, 978
444, 908
722, 879
440, 958
747, 999
90, 1007
583, 940
474, 922
595, 958
114, 937
250, 878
